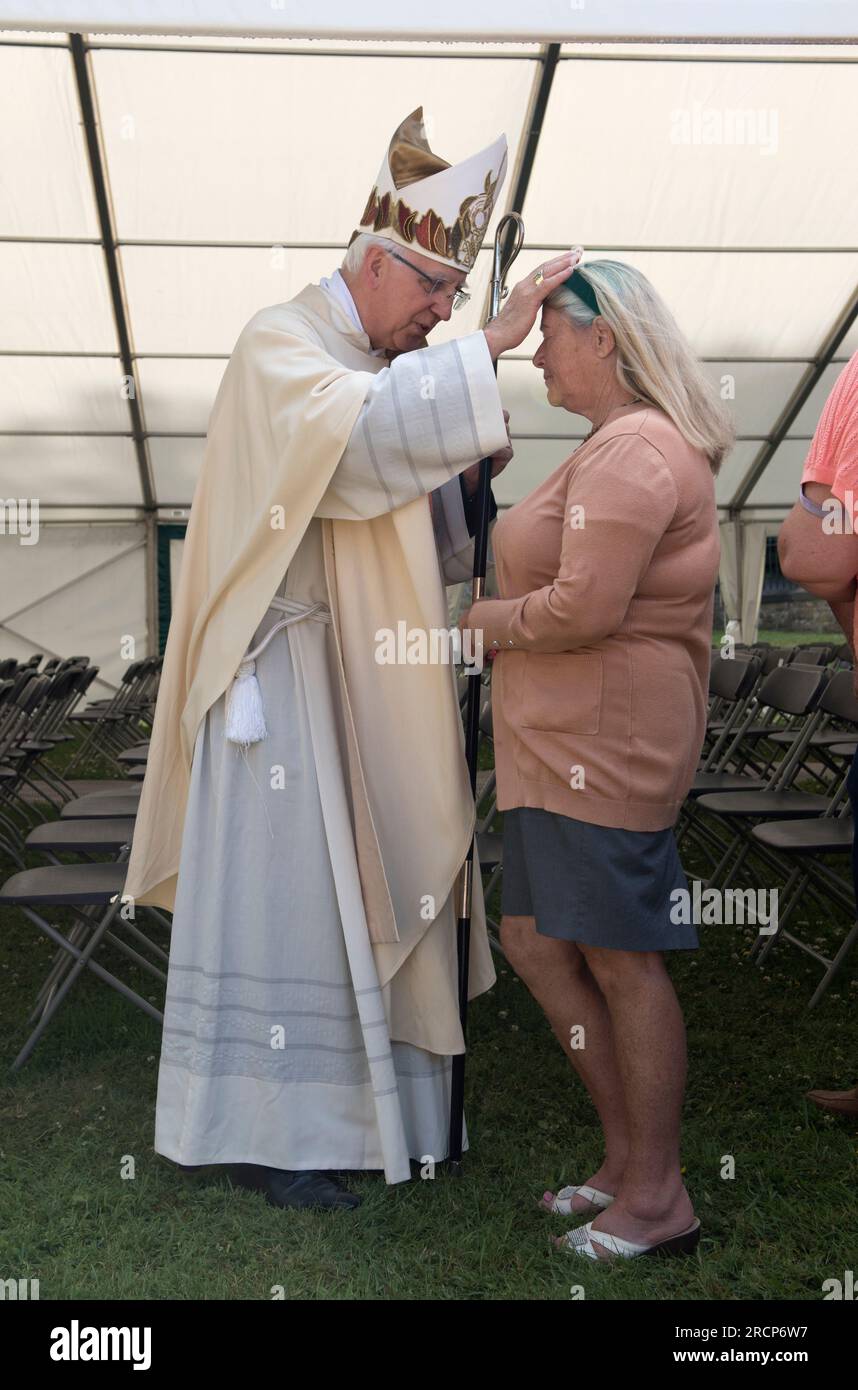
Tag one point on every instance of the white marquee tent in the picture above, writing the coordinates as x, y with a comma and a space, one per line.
169, 168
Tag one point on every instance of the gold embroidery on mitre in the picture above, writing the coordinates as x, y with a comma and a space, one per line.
459, 243
368, 214
474, 216
428, 231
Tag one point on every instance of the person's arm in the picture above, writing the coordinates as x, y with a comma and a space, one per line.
425, 419
821, 555
628, 497
818, 552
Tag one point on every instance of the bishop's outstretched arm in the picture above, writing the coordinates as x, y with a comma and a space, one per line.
427, 417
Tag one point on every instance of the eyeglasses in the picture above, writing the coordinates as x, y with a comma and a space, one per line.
458, 298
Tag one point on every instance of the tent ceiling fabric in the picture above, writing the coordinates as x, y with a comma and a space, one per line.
236, 169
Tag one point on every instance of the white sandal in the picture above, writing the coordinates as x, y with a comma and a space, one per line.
560, 1203
579, 1241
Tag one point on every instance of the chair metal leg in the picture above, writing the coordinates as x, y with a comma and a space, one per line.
83, 960
762, 946
834, 966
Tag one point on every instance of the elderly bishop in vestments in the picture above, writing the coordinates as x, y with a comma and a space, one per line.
306, 806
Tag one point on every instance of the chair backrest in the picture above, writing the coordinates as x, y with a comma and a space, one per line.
132, 672
839, 698
24, 677
777, 656
793, 689
733, 678
32, 694
812, 655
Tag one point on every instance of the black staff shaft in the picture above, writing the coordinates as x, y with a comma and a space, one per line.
510, 227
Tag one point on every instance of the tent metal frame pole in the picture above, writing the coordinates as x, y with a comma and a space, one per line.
152, 612
86, 100
740, 575
546, 66
722, 41
109, 243
194, 244
534, 122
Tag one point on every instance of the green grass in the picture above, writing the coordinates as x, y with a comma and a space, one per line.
792, 639
85, 1101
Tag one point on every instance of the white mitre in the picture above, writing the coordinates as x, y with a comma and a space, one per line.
447, 209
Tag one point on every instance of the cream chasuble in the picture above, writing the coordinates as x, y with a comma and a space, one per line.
311, 1002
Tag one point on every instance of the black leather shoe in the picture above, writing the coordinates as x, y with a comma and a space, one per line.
283, 1187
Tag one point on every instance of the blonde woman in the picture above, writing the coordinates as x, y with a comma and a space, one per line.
602, 633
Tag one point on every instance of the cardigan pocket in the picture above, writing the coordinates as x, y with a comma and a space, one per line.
562, 692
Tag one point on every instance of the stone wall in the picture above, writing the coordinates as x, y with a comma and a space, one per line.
804, 614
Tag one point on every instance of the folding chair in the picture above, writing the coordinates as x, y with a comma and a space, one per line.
133, 756
114, 724
91, 890
800, 843
751, 752
794, 691
804, 841
732, 685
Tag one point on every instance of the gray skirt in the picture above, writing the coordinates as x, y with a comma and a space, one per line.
594, 884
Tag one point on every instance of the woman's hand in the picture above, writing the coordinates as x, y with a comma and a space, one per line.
499, 463
465, 623
518, 314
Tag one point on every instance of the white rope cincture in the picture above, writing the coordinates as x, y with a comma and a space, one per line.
245, 716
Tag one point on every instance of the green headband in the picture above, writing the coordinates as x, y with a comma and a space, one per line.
583, 289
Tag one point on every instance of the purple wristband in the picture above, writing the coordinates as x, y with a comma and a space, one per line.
815, 507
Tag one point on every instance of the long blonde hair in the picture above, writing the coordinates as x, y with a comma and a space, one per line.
654, 359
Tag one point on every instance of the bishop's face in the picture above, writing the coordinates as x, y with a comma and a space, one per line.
408, 293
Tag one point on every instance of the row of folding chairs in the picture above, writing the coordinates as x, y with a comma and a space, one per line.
115, 724
76, 905
40, 709
97, 830
771, 796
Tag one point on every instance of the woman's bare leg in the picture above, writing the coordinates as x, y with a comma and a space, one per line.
649, 1038
560, 981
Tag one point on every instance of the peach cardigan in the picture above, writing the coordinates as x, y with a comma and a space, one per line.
606, 573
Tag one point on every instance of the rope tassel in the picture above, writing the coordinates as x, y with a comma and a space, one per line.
245, 717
